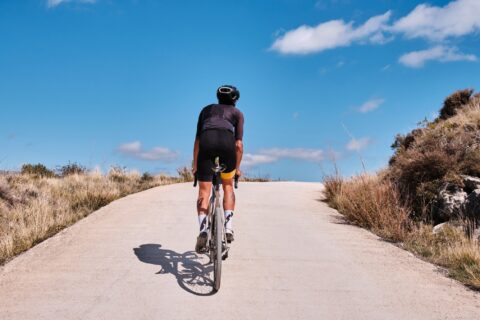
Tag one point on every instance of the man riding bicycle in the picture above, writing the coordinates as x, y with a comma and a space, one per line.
219, 134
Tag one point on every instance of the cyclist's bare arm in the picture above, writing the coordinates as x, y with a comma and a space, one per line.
239, 151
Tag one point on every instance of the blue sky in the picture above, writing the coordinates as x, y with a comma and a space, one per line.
112, 82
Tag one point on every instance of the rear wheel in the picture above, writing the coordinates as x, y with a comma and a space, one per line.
217, 239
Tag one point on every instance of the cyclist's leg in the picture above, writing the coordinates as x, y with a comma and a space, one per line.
229, 206
204, 176
228, 194
202, 210
229, 158
204, 191
205, 163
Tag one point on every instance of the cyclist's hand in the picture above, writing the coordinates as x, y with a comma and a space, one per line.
238, 172
194, 170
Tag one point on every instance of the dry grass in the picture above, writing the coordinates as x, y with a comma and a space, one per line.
373, 203
369, 202
449, 248
33, 208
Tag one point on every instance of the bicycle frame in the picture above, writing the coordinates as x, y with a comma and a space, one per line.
214, 203
217, 245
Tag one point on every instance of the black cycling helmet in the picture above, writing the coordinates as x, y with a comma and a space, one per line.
228, 94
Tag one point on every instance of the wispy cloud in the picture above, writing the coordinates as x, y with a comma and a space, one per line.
417, 59
371, 105
314, 155
358, 144
251, 160
54, 3
331, 34
275, 154
386, 67
134, 149
457, 18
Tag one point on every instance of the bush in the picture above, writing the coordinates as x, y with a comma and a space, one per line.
429, 158
38, 170
454, 102
146, 177
185, 173
71, 168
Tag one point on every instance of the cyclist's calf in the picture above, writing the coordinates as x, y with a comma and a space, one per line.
228, 195
203, 197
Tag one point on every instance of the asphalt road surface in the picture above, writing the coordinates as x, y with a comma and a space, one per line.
293, 258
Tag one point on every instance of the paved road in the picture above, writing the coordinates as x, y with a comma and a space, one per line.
293, 259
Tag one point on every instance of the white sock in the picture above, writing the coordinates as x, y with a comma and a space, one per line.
228, 220
202, 221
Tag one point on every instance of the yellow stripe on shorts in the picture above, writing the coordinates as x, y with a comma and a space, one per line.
228, 175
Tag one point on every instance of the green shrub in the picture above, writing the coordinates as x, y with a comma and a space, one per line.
146, 177
38, 170
71, 168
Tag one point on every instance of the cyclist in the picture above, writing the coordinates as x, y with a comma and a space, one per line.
219, 134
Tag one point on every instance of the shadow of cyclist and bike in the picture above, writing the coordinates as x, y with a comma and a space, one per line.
192, 271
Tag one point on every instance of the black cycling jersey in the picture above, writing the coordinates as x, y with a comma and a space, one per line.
221, 116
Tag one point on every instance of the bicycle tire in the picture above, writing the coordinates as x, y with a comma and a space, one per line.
218, 248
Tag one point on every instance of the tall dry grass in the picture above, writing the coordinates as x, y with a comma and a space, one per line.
33, 208
369, 202
373, 202
449, 248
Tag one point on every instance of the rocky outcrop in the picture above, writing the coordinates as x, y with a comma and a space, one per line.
448, 205
454, 203
471, 207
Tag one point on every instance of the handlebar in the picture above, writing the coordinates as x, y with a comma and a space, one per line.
236, 181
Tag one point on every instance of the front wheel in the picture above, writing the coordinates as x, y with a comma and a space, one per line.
217, 248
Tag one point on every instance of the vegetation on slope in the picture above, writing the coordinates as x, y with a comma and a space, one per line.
398, 203
37, 203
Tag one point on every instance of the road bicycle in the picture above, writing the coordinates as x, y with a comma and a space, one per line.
217, 245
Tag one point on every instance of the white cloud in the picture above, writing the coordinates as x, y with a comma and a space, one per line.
457, 18
250, 160
275, 154
134, 149
331, 34
417, 59
371, 105
314, 155
358, 144
54, 3
435, 23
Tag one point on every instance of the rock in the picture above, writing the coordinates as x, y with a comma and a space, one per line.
442, 226
449, 204
471, 207
470, 183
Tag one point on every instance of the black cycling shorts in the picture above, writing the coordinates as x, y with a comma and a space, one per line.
216, 143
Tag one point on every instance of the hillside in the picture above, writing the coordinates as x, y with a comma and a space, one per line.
428, 197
